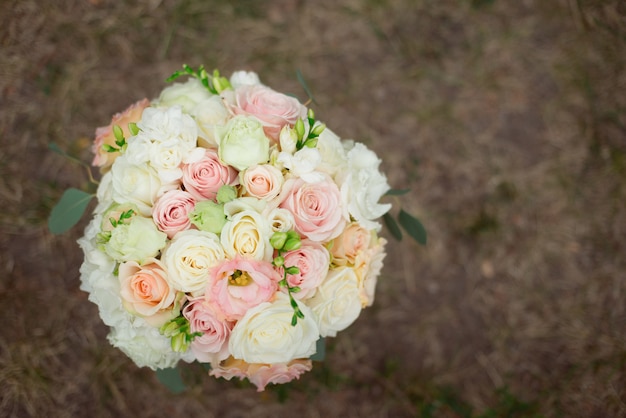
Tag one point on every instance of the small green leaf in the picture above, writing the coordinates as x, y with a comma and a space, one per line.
320, 350
413, 227
305, 86
68, 211
171, 378
392, 226
397, 192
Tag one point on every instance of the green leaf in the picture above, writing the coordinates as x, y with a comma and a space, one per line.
392, 226
68, 211
171, 378
412, 226
304, 85
54, 147
397, 192
320, 350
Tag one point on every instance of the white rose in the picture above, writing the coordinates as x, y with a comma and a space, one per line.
247, 233
136, 184
280, 220
336, 303
242, 143
362, 186
189, 257
244, 78
145, 345
265, 333
210, 113
187, 95
135, 241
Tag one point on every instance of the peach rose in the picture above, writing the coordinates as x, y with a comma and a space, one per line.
204, 177
262, 181
212, 345
316, 208
353, 240
312, 260
368, 266
171, 212
237, 285
104, 134
272, 108
146, 292
261, 375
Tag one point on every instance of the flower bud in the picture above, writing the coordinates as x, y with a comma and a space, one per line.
208, 216
319, 128
225, 194
278, 239
299, 127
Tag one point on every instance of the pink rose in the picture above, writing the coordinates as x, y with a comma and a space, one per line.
272, 108
316, 208
146, 292
203, 178
262, 181
353, 240
312, 260
239, 284
261, 375
212, 345
170, 212
104, 134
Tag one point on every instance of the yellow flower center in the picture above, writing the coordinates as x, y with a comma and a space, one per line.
239, 278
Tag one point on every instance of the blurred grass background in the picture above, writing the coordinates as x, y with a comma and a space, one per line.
506, 120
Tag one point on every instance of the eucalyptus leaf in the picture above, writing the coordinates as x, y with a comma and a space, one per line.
304, 85
68, 211
397, 192
392, 226
320, 350
412, 226
55, 148
171, 378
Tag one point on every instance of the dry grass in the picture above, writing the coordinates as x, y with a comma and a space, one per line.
506, 119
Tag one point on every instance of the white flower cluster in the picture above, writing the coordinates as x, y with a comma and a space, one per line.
231, 228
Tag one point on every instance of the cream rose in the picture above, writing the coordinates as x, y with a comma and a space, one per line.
187, 95
265, 334
262, 181
247, 233
368, 266
137, 240
208, 114
242, 143
189, 257
135, 184
145, 291
337, 303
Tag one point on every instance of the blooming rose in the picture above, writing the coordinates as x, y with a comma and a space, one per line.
204, 177
353, 241
146, 292
189, 257
239, 284
280, 220
136, 184
137, 240
261, 375
272, 108
312, 260
337, 302
104, 135
208, 114
362, 186
316, 208
368, 266
247, 233
242, 143
170, 212
262, 181
265, 334
187, 95
212, 345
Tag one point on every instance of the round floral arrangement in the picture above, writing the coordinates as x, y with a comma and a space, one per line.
232, 228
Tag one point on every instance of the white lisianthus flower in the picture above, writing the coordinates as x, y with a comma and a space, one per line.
165, 124
247, 233
265, 333
303, 164
134, 184
337, 303
187, 95
362, 186
242, 143
209, 113
244, 78
136, 240
188, 258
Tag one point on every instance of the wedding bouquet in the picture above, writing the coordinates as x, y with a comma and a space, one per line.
232, 228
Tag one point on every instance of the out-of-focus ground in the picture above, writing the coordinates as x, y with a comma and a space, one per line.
506, 119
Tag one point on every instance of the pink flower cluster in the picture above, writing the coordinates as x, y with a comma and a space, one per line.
246, 268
